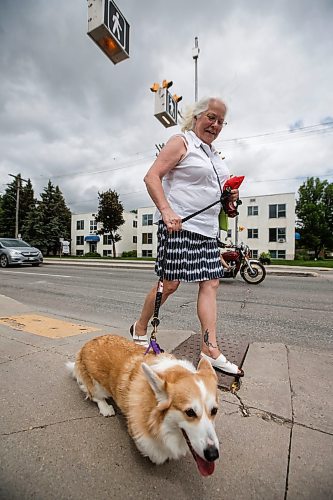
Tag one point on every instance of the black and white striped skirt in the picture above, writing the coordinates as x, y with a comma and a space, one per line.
189, 256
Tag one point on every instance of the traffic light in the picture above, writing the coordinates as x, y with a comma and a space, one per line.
167, 84
155, 87
166, 105
177, 98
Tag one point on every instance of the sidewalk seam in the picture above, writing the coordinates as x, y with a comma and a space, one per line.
258, 412
44, 426
292, 426
274, 417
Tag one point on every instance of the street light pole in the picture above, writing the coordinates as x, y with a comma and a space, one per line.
19, 180
195, 55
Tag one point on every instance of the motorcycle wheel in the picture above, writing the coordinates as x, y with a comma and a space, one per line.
258, 275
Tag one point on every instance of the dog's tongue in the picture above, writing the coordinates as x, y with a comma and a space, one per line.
205, 468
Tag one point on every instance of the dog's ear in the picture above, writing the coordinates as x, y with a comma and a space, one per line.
157, 384
204, 364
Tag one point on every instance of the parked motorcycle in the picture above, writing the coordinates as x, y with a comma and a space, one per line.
238, 258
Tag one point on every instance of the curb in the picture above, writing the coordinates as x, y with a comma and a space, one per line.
287, 272
151, 265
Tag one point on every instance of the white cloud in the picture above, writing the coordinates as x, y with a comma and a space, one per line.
67, 113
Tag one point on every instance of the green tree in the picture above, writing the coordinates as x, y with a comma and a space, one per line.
110, 215
314, 210
8, 212
48, 221
27, 202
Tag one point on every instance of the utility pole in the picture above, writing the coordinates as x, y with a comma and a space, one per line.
19, 180
195, 55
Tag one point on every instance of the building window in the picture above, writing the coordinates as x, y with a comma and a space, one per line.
80, 240
252, 233
277, 254
79, 225
252, 210
135, 239
107, 253
79, 252
107, 240
135, 223
93, 226
147, 253
254, 254
147, 238
277, 211
277, 234
147, 220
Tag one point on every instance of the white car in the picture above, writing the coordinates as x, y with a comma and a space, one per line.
15, 251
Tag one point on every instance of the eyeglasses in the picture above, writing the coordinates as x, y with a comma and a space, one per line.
213, 118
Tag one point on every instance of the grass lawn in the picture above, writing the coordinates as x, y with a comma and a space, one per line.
328, 263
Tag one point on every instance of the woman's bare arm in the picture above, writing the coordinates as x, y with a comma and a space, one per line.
170, 155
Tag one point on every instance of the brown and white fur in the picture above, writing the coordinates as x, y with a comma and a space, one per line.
168, 403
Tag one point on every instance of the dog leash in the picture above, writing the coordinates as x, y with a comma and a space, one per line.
153, 345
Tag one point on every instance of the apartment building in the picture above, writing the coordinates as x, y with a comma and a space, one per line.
269, 225
85, 237
268, 222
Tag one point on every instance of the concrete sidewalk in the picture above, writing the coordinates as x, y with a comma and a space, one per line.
276, 433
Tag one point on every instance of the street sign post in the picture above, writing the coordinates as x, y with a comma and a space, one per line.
109, 29
65, 247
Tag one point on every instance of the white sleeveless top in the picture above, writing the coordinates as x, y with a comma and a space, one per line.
193, 184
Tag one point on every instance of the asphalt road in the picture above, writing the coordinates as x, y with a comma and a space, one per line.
293, 310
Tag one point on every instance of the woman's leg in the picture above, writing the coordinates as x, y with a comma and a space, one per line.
207, 313
169, 287
206, 309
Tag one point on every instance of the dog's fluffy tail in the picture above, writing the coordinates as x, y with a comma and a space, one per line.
70, 367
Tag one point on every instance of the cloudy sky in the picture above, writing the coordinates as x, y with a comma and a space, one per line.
68, 114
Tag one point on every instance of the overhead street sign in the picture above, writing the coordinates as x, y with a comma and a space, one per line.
109, 29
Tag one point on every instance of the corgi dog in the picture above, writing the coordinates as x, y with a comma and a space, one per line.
170, 406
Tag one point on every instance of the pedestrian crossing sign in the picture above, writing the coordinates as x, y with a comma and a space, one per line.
109, 29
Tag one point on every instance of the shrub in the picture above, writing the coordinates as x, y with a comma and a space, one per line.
131, 253
92, 254
265, 258
302, 254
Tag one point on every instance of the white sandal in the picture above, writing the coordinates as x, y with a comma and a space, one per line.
221, 363
139, 339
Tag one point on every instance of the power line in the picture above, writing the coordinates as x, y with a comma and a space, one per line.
285, 131
328, 174
292, 134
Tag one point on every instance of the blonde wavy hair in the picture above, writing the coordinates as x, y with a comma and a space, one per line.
195, 110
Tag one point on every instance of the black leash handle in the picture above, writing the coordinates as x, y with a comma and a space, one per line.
221, 200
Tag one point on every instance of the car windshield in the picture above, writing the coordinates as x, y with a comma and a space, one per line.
14, 243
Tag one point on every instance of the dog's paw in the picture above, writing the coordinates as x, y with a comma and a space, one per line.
109, 412
105, 409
